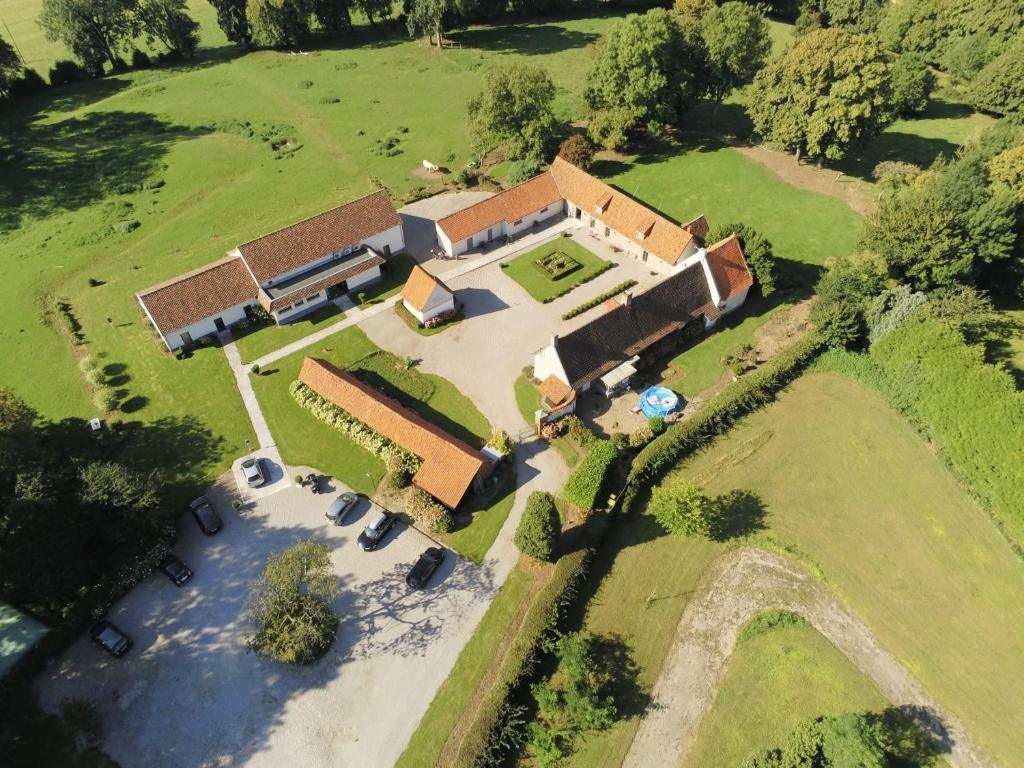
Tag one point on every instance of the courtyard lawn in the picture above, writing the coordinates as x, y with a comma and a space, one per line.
488, 516
260, 341
561, 276
774, 679
527, 398
392, 282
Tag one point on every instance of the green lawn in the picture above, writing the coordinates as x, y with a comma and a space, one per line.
527, 398
528, 273
261, 341
489, 516
392, 282
775, 679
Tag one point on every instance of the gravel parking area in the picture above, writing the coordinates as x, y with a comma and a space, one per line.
190, 694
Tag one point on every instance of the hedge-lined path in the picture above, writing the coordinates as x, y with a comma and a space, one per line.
741, 584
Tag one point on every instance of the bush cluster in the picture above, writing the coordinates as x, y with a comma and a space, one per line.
539, 527
426, 512
599, 299
579, 432
354, 429
741, 398
584, 484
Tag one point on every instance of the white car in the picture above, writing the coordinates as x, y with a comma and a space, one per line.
252, 468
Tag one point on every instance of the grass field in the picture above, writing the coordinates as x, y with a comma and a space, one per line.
527, 271
266, 339
774, 679
527, 398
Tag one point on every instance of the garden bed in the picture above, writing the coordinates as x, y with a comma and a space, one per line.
555, 268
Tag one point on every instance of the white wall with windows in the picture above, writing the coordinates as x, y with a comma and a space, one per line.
195, 331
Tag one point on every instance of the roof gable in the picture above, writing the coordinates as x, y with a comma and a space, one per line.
728, 267
199, 294
420, 286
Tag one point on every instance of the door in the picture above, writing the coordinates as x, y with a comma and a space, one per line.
219, 324
578, 213
488, 235
469, 243
387, 251
186, 339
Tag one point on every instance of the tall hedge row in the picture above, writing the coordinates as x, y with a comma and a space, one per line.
584, 484
748, 394
971, 408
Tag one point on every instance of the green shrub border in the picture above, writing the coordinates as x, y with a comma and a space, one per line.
599, 299
604, 268
584, 484
746, 395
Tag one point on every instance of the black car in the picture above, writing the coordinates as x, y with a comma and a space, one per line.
110, 638
429, 562
341, 507
207, 517
374, 533
175, 570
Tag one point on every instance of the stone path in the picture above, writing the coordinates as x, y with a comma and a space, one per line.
741, 584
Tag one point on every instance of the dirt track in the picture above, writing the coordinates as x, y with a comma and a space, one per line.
745, 582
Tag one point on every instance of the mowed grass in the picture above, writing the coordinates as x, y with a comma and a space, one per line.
526, 271
266, 339
848, 484
775, 679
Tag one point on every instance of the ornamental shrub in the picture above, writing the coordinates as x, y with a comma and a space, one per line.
578, 431
641, 437
539, 527
682, 508
657, 424
584, 484
426, 512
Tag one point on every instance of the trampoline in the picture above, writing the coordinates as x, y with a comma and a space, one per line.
658, 401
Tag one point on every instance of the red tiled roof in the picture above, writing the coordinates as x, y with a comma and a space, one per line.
728, 267
313, 238
197, 295
510, 205
420, 286
555, 393
698, 226
449, 465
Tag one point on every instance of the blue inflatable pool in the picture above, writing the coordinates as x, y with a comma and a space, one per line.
658, 401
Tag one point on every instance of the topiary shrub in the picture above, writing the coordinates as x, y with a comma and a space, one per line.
682, 508
657, 424
584, 484
539, 527
578, 431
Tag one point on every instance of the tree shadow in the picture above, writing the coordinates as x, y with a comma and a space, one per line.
894, 145
615, 664
914, 735
526, 39
736, 514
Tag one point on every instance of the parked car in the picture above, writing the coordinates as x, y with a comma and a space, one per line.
207, 517
175, 570
110, 638
341, 507
429, 562
252, 468
374, 533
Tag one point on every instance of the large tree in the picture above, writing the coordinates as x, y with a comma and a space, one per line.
840, 740
278, 23
916, 27
168, 22
432, 17
644, 68
682, 508
233, 21
10, 67
333, 15
999, 86
93, 30
830, 91
737, 44
514, 110
853, 15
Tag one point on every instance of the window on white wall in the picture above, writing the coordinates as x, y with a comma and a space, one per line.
542, 210
517, 223
643, 256
299, 303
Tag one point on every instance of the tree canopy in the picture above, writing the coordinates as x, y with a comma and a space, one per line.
737, 44
10, 67
539, 527
168, 22
830, 91
513, 109
233, 21
278, 23
93, 30
682, 508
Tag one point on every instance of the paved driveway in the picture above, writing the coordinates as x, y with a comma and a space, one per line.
190, 694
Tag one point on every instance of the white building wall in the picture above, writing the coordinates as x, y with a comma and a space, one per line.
443, 240
499, 230
207, 325
294, 312
445, 304
363, 279
715, 295
394, 238
735, 302
547, 363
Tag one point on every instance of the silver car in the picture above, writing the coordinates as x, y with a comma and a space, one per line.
252, 468
341, 507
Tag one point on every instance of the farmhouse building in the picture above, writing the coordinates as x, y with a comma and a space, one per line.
565, 190
425, 296
288, 273
450, 467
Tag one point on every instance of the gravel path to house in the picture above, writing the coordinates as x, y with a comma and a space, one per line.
741, 584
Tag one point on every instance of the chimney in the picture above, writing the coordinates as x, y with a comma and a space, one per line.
554, 339
626, 298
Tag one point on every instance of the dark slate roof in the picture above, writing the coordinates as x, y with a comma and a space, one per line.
606, 342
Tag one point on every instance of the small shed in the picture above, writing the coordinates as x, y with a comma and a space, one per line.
425, 296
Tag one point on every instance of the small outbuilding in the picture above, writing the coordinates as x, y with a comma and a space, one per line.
425, 296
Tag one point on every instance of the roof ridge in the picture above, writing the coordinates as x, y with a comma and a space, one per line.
186, 275
722, 242
313, 216
499, 194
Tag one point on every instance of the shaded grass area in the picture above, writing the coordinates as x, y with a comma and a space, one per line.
527, 269
392, 280
488, 515
528, 398
775, 679
452, 701
257, 342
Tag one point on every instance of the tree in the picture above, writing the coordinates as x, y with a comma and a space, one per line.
93, 30
233, 21
332, 15
737, 42
999, 87
859, 16
1007, 168
610, 127
291, 605
278, 23
514, 110
917, 27
682, 508
757, 250
912, 84
539, 527
578, 150
844, 292
830, 91
374, 8
10, 67
168, 22
430, 17
842, 740
690, 15
644, 70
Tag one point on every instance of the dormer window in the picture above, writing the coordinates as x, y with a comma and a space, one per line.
644, 229
603, 203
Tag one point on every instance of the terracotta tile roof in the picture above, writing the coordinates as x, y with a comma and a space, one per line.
663, 238
449, 465
199, 294
698, 226
611, 339
419, 286
290, 298
555, 393
510, 205
728, 267
313, 238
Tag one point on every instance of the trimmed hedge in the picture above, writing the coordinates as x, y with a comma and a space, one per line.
601, 270
584, 484
599, 299
746, 395
539, 527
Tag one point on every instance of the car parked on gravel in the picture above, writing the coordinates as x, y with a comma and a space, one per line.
175, 570
341, 507
207, 517
110, 638
424, 568
252, 468
373, 535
